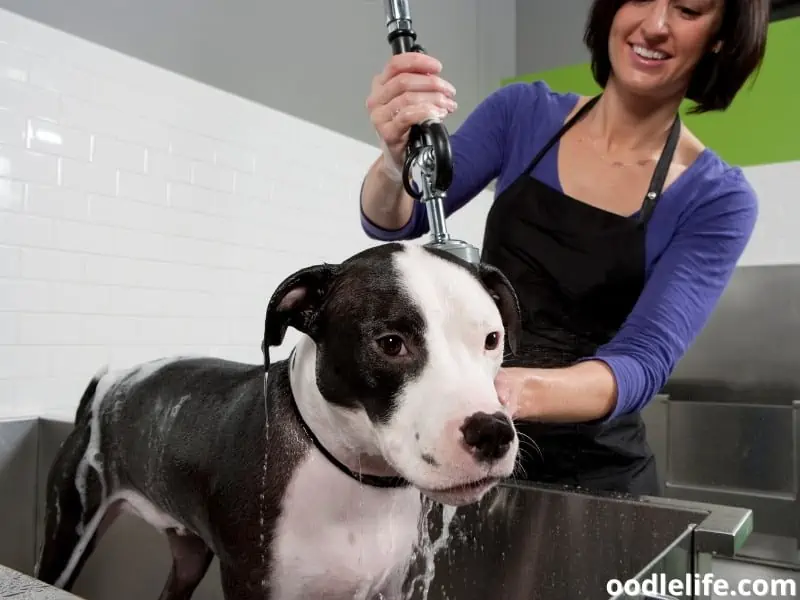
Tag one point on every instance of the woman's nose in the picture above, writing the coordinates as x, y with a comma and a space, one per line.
656, 19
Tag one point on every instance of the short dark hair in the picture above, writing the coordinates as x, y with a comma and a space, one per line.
717, 77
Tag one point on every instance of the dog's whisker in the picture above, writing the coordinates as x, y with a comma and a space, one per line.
529, 443
523, 455
520, 473
527, 439
524, 436
538, 450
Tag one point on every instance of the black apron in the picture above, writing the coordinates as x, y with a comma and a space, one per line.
579, 271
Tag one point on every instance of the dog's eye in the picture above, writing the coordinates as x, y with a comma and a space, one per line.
392, 345
492, 340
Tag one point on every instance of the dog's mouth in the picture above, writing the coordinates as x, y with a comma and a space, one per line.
468, 488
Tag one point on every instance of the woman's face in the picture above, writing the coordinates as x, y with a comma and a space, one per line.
655, 44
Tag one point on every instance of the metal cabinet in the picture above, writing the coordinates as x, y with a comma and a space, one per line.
725, 429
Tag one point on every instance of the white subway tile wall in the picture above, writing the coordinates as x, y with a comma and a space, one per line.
143, 214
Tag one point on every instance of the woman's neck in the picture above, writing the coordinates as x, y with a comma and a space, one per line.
622, 121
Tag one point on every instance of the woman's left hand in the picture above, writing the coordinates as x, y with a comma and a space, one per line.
510, 384
582, 392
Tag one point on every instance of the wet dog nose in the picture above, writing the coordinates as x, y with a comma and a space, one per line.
488, 436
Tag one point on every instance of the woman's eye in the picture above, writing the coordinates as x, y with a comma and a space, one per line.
689, 12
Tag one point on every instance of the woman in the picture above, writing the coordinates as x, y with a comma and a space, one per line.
617, 227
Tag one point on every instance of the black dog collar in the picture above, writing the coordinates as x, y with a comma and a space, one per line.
372, 480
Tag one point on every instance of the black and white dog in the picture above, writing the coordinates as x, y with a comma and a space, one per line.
305, 481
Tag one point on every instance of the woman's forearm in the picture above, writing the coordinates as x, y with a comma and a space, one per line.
383, 200
583, 392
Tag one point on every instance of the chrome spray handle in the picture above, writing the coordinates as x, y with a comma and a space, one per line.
428, 167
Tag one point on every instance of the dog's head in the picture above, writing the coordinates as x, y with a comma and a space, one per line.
409, 341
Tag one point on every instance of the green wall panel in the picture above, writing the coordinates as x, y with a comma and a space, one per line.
762, 126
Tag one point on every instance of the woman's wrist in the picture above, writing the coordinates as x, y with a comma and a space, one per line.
583, 392
389, 169
383, 200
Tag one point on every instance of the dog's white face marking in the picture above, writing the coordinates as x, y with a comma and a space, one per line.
423, 439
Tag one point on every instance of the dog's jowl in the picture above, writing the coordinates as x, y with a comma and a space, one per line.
304, 480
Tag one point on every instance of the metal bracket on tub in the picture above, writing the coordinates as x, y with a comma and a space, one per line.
721, 532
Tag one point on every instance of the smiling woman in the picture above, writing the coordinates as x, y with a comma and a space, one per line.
618, 228
643, 32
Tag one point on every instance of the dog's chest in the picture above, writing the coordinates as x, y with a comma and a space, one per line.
340, 540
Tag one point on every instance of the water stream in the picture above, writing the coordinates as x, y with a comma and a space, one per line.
429, 547
263, 495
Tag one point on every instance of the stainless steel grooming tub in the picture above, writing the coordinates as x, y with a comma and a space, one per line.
521, 543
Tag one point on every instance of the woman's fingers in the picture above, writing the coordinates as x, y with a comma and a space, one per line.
408, 62
408, 91
394, 126
408, 83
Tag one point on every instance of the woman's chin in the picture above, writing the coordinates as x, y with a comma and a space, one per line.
650, 87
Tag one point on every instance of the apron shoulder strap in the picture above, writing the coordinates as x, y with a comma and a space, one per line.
564, 128
662, 167
659, 178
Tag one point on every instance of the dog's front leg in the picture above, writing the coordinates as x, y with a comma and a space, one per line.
239, 582
191, 558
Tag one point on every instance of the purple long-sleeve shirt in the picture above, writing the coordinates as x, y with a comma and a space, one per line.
695, 236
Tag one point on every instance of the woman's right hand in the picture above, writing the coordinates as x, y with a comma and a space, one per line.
407, 92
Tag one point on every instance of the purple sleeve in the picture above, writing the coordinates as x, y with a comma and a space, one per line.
683, 290
478, 148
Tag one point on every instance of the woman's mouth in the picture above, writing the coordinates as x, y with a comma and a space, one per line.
648, 56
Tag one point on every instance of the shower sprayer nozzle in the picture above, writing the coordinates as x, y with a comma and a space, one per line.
428, 168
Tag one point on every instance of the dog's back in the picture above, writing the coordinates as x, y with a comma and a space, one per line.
165, 425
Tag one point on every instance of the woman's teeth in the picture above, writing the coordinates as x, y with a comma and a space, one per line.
649, 54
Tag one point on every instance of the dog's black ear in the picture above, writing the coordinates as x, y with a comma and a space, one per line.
507, 301
296, 303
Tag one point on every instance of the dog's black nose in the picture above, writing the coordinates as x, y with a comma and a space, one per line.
489, 436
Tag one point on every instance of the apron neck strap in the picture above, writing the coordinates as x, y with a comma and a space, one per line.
560, 133
659, 178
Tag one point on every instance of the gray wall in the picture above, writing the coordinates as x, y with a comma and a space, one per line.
550, 34
311, 58
315, 58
